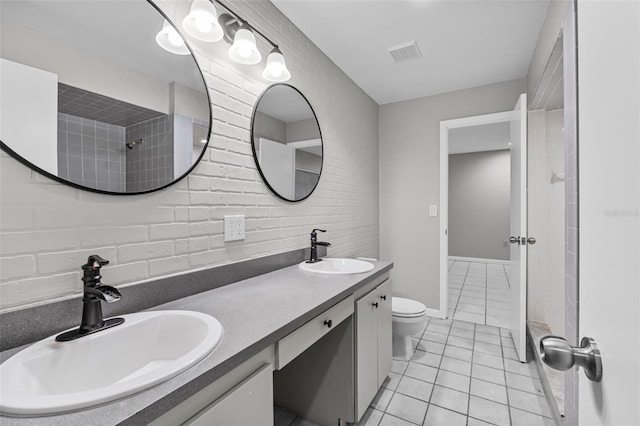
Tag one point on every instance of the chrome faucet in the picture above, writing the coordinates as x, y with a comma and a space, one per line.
314, 246
94, 293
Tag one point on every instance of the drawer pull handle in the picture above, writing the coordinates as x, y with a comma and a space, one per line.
383, 297
375, 304
328, 323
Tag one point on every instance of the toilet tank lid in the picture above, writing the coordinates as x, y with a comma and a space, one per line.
402, 306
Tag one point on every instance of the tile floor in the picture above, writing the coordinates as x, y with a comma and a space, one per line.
462, 373
479, 293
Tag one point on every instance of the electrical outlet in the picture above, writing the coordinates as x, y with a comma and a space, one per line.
234, 228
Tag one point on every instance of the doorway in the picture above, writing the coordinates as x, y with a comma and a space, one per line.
479, 217
474, 287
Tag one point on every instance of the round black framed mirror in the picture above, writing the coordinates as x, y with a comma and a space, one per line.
287, 142
92, 100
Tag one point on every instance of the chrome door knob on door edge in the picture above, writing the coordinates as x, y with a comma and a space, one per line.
557, 353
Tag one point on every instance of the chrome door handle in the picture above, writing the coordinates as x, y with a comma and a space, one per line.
514, 240
531, 240
557, 353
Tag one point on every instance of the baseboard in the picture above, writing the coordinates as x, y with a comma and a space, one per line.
435, 313
479, 260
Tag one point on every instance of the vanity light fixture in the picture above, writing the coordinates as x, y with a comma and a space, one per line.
202, 22
276, 69
244, 49
169, 39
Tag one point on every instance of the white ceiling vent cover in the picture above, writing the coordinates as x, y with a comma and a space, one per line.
405, 52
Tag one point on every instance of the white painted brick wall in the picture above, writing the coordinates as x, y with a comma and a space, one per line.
47, 230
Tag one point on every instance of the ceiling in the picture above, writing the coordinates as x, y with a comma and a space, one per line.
464, 43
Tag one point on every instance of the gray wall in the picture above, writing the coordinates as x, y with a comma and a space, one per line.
269, 128
410, 178
302, 130
307, 161
479, 204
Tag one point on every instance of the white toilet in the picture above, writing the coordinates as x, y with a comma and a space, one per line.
408, 320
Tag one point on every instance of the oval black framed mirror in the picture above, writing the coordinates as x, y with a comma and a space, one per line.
92, 100
287, 142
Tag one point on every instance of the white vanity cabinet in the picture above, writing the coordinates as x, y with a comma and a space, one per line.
248, 403
373, 344
242, 397
327, 371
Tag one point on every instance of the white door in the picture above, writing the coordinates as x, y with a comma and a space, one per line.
518, 253
366, 352
385, 341
277, 162
609, 207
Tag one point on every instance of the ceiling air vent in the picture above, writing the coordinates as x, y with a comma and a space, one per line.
405, 52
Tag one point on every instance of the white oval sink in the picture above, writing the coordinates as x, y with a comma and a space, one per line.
334, 265
51, 377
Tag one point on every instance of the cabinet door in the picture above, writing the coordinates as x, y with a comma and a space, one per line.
366, 351
249, 403
385, 344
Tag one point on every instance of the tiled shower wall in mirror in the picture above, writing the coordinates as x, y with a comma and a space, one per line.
150, 158
91, 153
104, 156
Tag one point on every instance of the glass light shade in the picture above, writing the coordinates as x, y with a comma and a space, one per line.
169, 39
244, 49
202, 22
276, 69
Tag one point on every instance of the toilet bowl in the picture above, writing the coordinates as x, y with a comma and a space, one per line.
408, 318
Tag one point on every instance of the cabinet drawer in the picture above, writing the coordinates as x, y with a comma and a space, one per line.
296, 342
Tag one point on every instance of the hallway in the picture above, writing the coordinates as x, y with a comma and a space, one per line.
479, 292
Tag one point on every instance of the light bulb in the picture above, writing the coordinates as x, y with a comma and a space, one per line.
203, 24
169, 39
244, 50
174, 38
276, 69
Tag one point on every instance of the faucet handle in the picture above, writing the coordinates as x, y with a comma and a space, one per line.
313, 233
91, 276
94, 262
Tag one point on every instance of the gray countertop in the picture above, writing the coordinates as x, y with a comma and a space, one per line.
255, 313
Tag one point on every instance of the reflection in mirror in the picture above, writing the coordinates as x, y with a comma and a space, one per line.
287, 143
89, 98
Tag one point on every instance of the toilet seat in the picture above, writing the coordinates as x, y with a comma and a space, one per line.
406, 308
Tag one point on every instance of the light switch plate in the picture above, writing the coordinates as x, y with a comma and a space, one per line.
433, 210
234, 227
